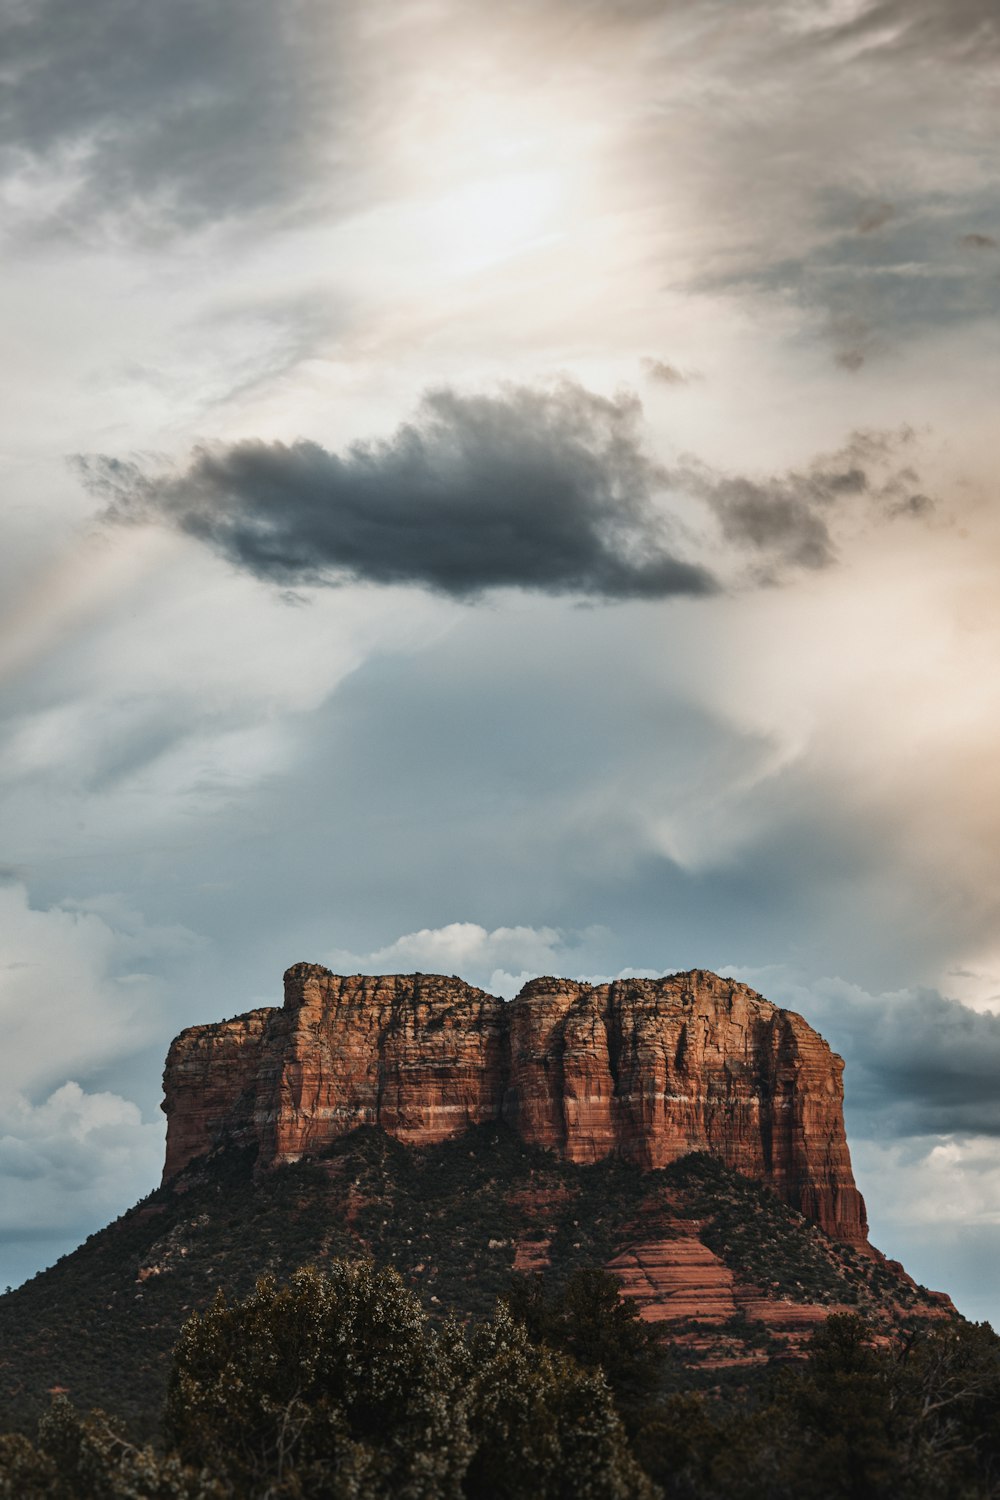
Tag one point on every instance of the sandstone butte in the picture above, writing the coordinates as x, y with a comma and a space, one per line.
647, 1069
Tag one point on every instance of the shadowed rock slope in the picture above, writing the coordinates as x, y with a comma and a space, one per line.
734, 1275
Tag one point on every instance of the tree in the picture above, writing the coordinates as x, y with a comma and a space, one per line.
945, 1381
337, 1387
680, 1442
335, 1379
866, 1419
25, 1474
542, 1426
836, 1414
87, 1458
590, 1320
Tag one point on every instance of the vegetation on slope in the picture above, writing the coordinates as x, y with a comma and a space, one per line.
102, 1322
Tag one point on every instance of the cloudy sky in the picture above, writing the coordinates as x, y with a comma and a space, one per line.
501, 490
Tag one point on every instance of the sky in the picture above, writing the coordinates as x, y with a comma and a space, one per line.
501, 490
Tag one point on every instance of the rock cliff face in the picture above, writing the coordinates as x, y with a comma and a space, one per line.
644, 1069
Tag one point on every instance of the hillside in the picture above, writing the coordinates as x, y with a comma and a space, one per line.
735, 1275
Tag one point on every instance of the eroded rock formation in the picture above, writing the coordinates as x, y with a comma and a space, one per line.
646, 1069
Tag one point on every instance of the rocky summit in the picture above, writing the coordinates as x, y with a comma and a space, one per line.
643, 1070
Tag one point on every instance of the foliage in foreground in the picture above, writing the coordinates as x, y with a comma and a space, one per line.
919, 1420
336, 1386
591, 1321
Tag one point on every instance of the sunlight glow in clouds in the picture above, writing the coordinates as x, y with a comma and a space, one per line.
486, 222
484, 177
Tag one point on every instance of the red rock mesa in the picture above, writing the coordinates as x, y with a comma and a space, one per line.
647, 1069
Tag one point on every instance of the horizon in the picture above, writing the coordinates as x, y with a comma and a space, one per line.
501, 493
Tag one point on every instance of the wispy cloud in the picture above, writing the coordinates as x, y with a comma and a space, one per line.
176, 115
964, 30
661, 372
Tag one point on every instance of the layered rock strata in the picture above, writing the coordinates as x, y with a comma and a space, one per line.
645, 1069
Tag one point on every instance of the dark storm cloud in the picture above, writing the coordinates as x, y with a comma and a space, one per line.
538, 490
915, 505
548, 490
918, 1063
178, 112
774, 519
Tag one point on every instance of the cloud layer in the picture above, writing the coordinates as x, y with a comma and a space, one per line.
76, 987
968, 30
79, 992
67, 1165
167, 118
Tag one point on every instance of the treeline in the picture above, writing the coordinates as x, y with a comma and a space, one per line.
337, 1386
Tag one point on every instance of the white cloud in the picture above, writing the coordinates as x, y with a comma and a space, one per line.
934, 1203
67, 1166
79, 1151
462, 948
501, 961
78, 990
75, 990
933, 1180
976, 982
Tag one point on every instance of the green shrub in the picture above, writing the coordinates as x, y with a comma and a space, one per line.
338, 1387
